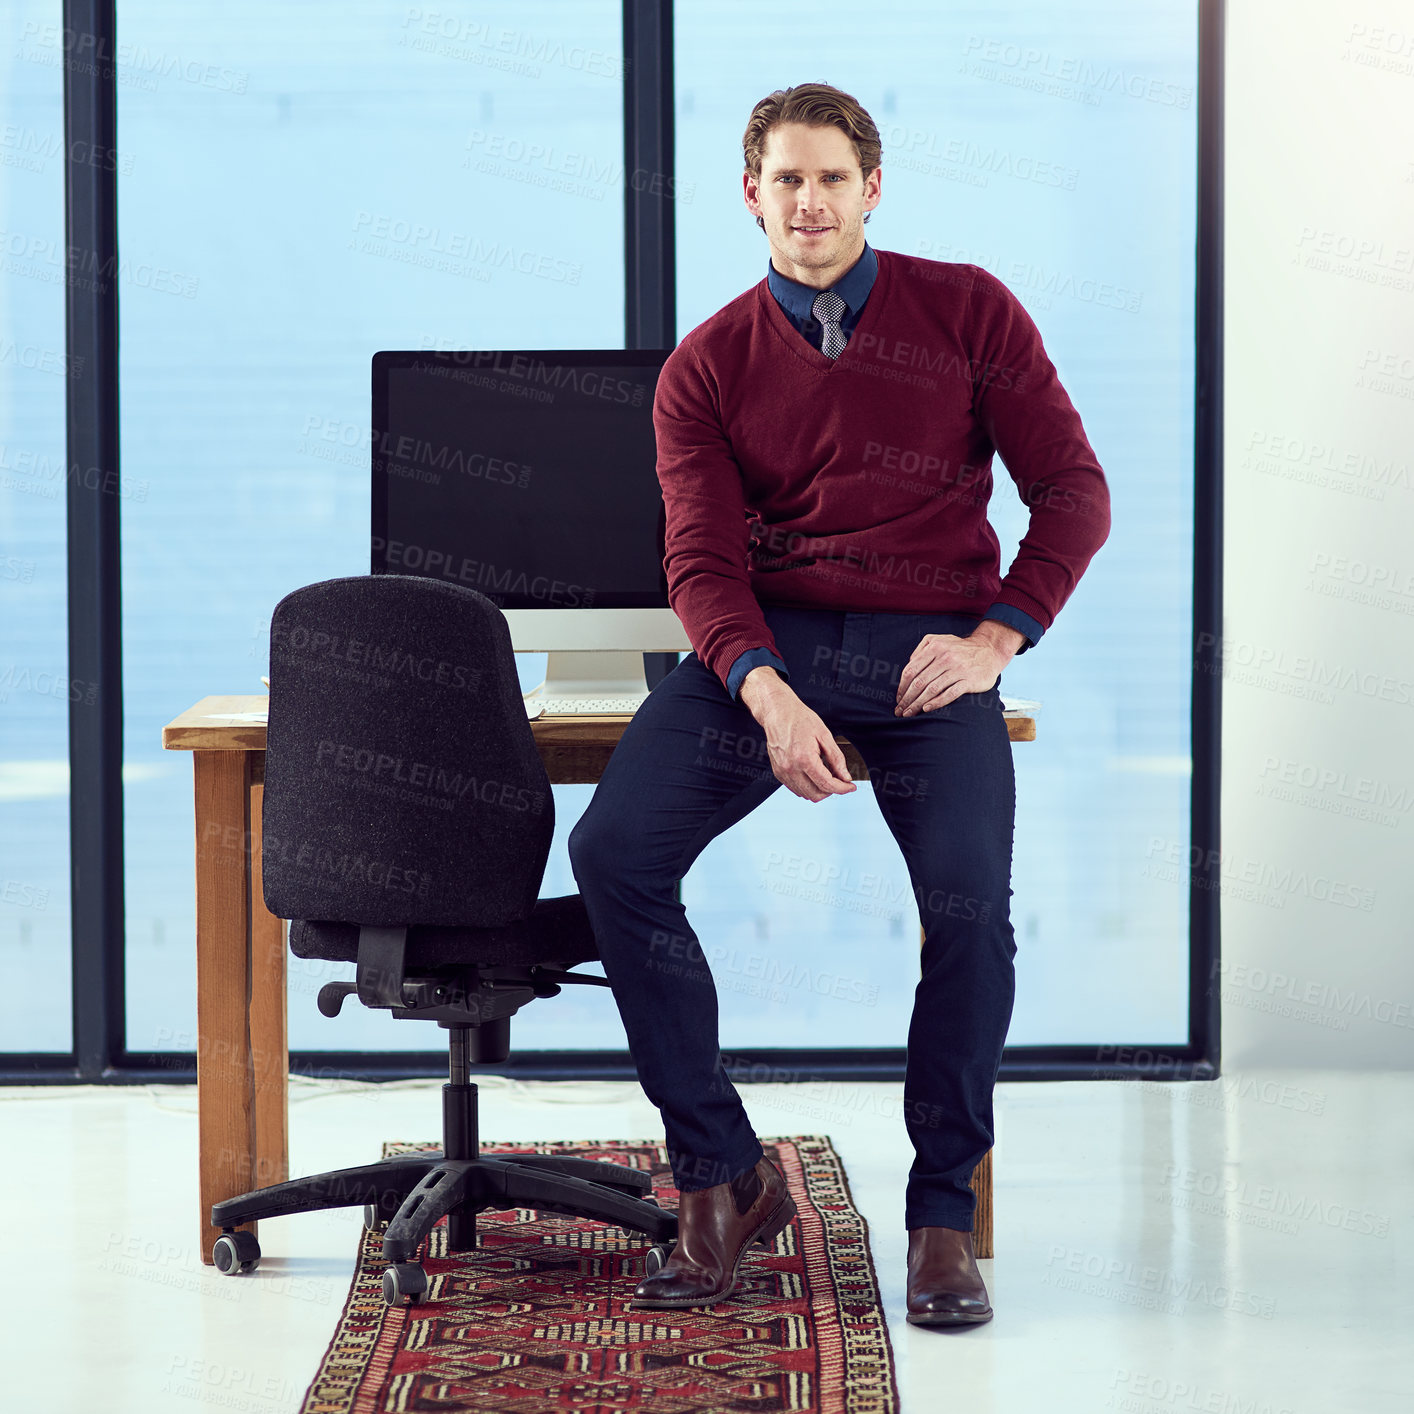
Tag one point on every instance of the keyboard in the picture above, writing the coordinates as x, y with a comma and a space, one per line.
542, 706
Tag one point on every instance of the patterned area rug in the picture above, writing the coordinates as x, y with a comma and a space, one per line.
535, 1319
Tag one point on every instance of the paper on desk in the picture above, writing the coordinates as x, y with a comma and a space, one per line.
234, 716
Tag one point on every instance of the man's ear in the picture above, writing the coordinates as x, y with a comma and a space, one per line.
746, 185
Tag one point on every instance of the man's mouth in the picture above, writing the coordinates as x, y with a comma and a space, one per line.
811, 230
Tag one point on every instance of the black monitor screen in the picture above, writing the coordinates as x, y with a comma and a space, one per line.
529, 476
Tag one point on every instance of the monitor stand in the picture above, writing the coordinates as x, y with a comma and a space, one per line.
592, 673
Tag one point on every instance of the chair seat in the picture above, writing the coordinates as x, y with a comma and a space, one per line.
557, 933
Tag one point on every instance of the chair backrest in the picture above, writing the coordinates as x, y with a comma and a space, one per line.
402, 781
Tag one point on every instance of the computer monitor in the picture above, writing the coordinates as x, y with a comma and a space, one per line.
530, 476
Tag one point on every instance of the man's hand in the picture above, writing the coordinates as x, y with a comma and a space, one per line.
805, 758
944, 666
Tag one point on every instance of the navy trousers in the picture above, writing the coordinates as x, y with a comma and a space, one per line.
691, 764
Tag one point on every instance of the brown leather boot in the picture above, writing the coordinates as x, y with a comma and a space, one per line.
944, 1286
712, 1235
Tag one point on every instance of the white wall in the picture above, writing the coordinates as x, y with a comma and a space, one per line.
1319, 563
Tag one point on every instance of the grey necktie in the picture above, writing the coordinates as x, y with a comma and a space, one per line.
827, 309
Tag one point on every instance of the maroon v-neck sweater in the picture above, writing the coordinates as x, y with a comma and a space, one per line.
862, 482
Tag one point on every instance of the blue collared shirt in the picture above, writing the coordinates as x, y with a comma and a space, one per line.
798, 300
798, 303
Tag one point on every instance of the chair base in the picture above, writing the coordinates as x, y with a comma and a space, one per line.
416, 1192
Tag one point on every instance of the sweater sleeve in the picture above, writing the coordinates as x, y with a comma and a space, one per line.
706, 533
1035, 428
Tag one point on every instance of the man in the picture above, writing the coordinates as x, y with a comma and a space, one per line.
825, 447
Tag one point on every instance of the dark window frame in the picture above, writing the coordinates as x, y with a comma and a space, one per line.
100, 1054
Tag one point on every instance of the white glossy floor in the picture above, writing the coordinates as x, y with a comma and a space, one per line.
1243, 1246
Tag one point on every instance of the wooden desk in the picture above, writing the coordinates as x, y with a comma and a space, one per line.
242, 1051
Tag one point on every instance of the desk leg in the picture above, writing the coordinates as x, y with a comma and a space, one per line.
982, 1218
982, 1187
269, 1035
224, 1072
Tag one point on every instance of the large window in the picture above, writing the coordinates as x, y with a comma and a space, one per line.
35, 687
322, 180
1057, 149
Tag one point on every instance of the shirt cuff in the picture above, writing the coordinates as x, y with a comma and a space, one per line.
752, 658
1018, 619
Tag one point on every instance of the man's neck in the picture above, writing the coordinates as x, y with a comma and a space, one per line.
819, 278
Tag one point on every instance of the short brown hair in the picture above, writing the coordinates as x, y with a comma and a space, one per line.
817, 105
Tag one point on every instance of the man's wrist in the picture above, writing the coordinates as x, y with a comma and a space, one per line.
761, 686
1001, 638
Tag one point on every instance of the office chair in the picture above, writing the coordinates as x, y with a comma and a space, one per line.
407, 821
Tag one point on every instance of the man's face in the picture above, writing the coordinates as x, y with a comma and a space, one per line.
812, 197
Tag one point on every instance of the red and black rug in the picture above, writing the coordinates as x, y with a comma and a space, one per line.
535, 1320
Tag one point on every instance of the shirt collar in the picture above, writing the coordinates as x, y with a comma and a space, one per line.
852, 287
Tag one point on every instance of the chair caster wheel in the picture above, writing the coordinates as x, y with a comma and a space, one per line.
235, 1253
404, 1279
655, 1257
372, 1217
